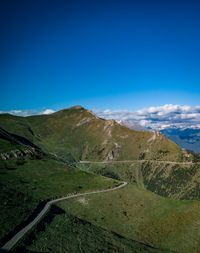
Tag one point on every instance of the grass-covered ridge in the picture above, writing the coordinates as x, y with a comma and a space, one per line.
77, 134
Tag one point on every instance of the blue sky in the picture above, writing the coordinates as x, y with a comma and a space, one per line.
118, 55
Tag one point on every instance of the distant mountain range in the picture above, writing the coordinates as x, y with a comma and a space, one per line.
188, 138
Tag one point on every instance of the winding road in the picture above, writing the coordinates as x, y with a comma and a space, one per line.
138, 161
10, 244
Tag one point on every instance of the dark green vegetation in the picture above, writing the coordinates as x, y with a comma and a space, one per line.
77, 235
25, 183
177, 181
9, 141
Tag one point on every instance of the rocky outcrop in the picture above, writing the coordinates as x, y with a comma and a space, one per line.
17, 153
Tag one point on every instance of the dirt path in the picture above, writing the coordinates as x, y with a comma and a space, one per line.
10, 244
139, 161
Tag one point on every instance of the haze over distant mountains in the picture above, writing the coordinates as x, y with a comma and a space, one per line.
187, 138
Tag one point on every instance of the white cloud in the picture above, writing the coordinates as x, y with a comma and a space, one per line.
48, 111
160, 117
25, 113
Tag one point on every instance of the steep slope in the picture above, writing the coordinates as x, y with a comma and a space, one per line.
142, 216
78, 235
172, 180
77, 134
14, 146
25, 186
13, 140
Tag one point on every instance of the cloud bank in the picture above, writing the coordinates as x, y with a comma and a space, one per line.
25, 113
158, 118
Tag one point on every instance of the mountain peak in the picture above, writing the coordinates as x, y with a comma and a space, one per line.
77, 107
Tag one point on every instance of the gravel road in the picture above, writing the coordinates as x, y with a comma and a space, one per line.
9, 245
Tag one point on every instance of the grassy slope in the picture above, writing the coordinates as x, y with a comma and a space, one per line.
168, 180
136, 214
6, 146
24, 186
78, 134
142, 216
76, 235
9, 142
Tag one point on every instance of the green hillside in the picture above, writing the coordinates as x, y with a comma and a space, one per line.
77, 235
127, 220
77, 134
142, 216
31, 172
174, 180
26, 183
10, 141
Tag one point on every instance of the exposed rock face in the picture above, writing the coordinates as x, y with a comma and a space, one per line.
17, 153
83, 121
110, 156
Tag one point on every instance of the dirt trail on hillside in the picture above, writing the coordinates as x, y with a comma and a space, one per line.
141, 161
11, 243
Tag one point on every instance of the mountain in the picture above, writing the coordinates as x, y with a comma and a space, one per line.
77, 134
148, 215
132, 125
188, 138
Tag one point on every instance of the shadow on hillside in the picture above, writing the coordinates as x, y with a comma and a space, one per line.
41, 226
23, 224
11, 168
17, 139
3, 251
